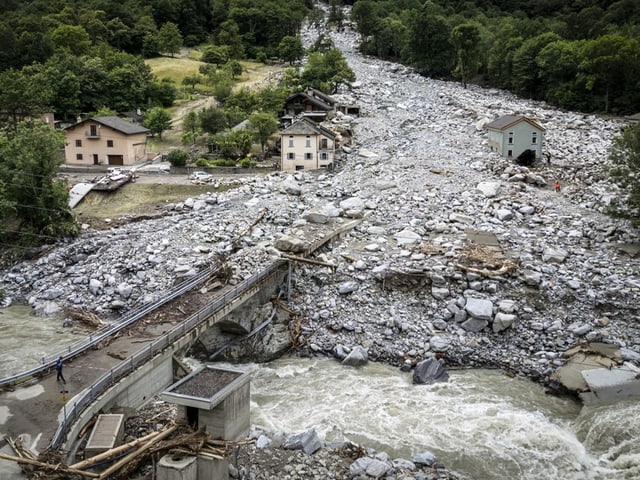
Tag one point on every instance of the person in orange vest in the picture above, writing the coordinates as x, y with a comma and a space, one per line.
557, 186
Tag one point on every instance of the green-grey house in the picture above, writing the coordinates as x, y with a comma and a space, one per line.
512, 134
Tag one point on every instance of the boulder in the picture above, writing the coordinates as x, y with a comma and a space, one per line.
356, 358
308, 442
428, 372
479, 308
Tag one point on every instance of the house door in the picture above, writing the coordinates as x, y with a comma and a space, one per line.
115, 159
95, 159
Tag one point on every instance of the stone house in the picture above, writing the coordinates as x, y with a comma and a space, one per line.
306, 145
106, 140
511, 135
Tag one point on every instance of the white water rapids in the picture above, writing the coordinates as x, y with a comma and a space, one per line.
481, 423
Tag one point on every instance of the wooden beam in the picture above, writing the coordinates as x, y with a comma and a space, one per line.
307, 260
118, 465
48, 466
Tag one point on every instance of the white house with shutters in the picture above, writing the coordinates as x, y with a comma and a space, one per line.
512, 134
306, 145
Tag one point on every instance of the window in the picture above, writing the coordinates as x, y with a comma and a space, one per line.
291, 141
93, 130
510, 153
78, 143
78, 156
534, 138
324, 156
291, 156
308, 156
324, 144
308, 142
110, 143
299, 167
510, 141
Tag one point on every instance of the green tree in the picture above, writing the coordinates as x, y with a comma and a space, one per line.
162, 93
290, 49
216, 54
429, 47
525, 78
212, 120
192, 81
170, 39
466, 40
72, 37
178, 157
262, 125
327, 71
29, 160
610, 68
191, 128
234, 144
157, 120
234, 68
625, 158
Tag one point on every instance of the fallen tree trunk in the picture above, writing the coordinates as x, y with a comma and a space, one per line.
118, 465
59, 468
89, 462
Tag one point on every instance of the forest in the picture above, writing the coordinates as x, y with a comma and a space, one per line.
580, 55
69, 56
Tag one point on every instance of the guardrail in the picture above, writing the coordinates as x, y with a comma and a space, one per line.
140, 357
76, 348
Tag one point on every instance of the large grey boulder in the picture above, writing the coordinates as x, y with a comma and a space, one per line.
479, 308
308, 442
370, 467
316, 215
429, 371
287, 243
357, 357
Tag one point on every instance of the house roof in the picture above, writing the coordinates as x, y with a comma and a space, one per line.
307, 127
314, 92
507, 121
312, 100
635, 117
116, 123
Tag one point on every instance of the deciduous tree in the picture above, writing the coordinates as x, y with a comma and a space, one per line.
262, 125
466, 39
170, 39
29, 161
157, 120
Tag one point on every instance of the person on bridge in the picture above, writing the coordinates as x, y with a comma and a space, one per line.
59, 370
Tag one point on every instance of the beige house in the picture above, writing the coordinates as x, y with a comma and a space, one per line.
306, 145
105, 141
512, 134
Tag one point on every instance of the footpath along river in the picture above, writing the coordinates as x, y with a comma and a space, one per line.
481, 423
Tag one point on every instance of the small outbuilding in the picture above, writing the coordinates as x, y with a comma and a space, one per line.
511, 135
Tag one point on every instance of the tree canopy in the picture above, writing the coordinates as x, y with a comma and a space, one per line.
625, 157
35, 203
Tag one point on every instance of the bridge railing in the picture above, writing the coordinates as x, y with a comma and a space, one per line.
74, 349
139, 358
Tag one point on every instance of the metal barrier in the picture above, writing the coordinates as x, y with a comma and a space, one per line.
48, 362
140, 357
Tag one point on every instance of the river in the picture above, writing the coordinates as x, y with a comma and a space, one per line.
481, 423
25, 338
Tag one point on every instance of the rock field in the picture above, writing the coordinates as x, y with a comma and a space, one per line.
409, 282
